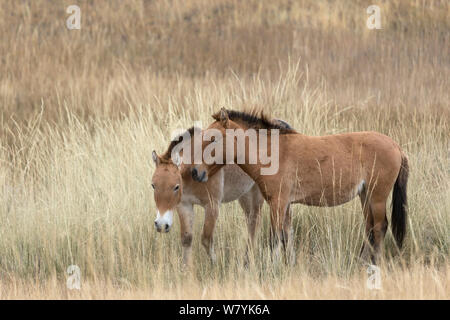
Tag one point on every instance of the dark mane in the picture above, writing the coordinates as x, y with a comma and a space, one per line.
177, 140
257, 120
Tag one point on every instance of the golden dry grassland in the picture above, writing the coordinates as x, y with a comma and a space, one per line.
81, 111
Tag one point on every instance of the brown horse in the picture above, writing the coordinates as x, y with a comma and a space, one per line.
319, 171
174, 188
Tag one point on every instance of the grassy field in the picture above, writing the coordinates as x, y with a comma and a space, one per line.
81, 111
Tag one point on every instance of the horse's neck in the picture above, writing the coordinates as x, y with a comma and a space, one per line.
185, 172
252, 170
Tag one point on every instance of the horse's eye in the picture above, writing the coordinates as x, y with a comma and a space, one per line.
153, 186
177, 187
213, 138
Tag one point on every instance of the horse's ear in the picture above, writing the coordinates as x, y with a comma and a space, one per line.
176, 159
156, 158
224, 117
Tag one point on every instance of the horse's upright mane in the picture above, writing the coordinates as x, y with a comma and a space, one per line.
257, 120
166, 157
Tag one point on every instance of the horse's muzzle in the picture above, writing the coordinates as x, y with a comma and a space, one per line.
163, 227
199, 176
163, 222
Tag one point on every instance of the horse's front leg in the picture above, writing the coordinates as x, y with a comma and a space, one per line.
287, 241
186, 215
211, 214
278, 233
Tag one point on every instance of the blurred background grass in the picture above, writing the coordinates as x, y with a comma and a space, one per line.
122, 43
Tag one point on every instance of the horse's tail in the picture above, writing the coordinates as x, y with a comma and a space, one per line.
399, 203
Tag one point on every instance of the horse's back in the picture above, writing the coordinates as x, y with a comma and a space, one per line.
374, 152
364, 145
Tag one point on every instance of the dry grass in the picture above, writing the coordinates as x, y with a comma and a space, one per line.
419, 282
82, 110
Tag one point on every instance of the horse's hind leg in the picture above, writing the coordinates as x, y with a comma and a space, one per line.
366, 249
211, 214
380, 225
251, 203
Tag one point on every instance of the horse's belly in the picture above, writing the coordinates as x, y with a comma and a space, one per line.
328, 196
319, 201
236, 183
